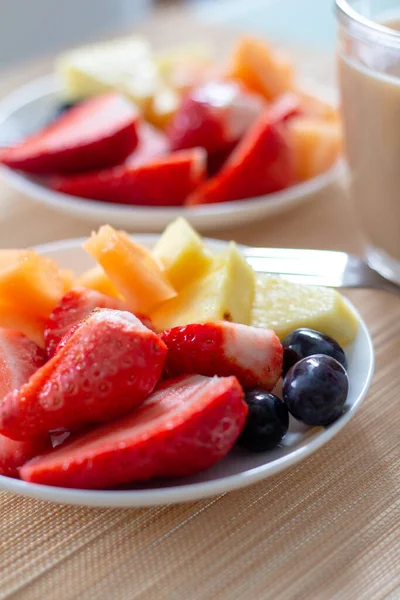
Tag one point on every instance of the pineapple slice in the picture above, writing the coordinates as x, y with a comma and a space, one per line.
225, 292
183, 254
30, 282
284, 306
132, 269
96, 279
125, 65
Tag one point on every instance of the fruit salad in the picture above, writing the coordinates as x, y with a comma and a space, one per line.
178, 128
156, 363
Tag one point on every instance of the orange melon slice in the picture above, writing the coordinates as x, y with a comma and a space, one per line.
29, 282
138, 277
260, 69
315, 107
96, 279
67, 276
31, 326
316, 145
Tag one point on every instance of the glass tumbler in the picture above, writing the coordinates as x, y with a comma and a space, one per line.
369, 78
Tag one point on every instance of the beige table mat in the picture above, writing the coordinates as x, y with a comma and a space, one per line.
326, 529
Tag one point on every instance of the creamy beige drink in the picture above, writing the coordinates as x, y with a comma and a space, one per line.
369, 77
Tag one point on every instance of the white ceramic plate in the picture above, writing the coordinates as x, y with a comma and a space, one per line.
30, 107
239, 468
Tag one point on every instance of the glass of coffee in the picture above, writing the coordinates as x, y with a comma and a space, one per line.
369, 77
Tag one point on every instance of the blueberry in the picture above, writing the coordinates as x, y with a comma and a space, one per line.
267, 421
315, 389
64, 107
303, 342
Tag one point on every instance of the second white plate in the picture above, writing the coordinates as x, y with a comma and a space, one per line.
32, 106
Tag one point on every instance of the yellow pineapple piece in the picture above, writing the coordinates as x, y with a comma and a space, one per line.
182, 253
162, 106
132, 269
96, 279
284, 306
29, 282
125, 65
225, 292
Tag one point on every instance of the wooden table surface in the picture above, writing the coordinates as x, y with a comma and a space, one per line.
339, 539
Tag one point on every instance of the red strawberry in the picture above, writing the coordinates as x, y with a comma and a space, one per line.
214, 116
77, 304
253, 355
95, 134
185, 426
14, 454
152, 144
285, 107
261, 163
107, 367
166, 181
19, 359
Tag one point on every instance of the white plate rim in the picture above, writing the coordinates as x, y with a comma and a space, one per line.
193, 491
269, 204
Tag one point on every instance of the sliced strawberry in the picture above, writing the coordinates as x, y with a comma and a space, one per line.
152, 144
14, 454
214, 116
95, 134
185, 426
285, 107
73, 308
19, 359
107, 367
166, 181
261, 163
253, 355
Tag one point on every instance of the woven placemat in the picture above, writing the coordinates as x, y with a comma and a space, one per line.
325, 529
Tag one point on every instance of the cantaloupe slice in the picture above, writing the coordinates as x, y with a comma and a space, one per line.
67, 276
315, 107
182, 253
225, 292
29, 282
137, 276
284, 306
96, 279
31, 326
316, 145
261, 69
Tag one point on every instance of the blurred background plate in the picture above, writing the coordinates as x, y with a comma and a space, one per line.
33, 105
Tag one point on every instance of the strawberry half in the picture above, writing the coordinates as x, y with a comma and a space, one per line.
166, 181
19, 359
75, 306
253, 355
152, 144
285, 107
260, 164
95, 134
105, 368
184, 427
214, 116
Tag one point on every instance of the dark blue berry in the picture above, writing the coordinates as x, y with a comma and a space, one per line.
315, 390
267, 421
64, 107
303, 342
